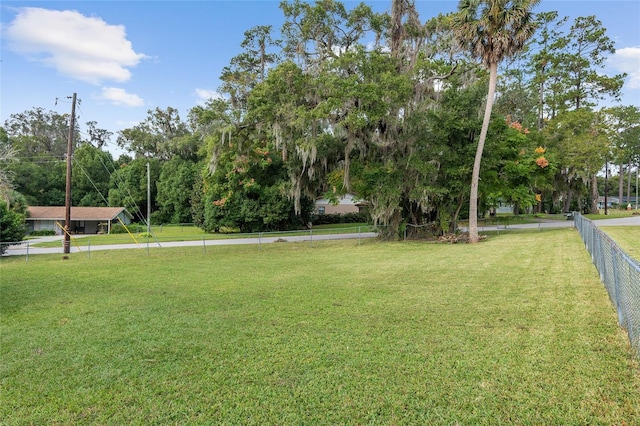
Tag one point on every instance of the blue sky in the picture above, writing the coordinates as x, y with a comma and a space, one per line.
123, 58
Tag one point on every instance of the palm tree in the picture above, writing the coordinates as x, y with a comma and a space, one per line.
491, 30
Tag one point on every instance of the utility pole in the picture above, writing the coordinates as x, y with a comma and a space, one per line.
67, 198
148, 200
637, 171
606, 185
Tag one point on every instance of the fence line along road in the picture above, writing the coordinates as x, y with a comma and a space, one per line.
25, 249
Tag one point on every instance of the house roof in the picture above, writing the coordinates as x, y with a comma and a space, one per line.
77, 213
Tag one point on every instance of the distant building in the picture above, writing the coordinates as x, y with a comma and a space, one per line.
616, 202
348, 203
628, 200
84, 220
611, 201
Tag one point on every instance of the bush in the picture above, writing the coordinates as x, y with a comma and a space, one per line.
328, 219
132, 227
42, 233
12, 226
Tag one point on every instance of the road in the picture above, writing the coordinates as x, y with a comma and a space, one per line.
622, 221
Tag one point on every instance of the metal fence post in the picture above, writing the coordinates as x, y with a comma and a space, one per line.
616, 286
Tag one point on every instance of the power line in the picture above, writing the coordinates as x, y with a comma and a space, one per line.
76, 164
123, 188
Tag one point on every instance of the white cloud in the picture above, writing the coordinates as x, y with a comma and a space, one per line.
371, 46
627, 60
206, 94
81, 47
120, 97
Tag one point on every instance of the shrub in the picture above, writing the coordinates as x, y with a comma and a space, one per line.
42, 233
12, 226
132, 227
328, 219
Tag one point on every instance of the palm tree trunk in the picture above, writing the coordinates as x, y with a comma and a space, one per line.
475, 175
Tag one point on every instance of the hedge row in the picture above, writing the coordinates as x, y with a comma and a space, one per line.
328, 219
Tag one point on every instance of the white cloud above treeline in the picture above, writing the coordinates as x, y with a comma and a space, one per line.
627, 60
81, 47
206, 94
120, 97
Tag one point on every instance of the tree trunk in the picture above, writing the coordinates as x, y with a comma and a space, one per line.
397, 29
541, 106
475, 176
566, 203
594, 194
516, 208
454, 220
629, 183
620, 185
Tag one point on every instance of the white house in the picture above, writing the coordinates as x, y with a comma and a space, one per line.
348, 203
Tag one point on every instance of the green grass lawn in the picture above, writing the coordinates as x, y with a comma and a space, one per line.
611, 214
627, 237
515, 330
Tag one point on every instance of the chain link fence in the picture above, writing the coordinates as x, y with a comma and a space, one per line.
88, 244
620, 274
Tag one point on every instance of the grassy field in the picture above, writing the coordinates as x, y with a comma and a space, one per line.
515, 330
627, 237
611, 214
